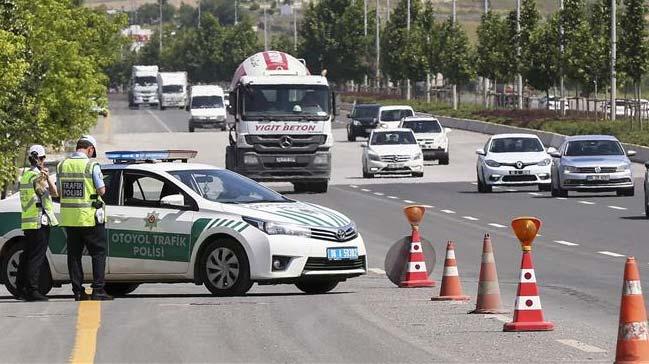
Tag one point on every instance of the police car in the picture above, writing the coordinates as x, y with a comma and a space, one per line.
184, 222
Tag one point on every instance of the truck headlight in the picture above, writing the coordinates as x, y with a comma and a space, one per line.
321, 159
545, 162
278, 228
250, 159
491, 163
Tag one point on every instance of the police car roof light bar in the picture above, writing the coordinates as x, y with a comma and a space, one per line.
150, 156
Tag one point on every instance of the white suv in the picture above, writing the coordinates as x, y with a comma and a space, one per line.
431, 136
391, 116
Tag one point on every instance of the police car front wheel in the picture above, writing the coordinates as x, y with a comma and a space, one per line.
9, 270
225, 268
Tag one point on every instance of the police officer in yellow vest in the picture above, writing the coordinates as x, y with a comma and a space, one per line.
36, 191
82, 214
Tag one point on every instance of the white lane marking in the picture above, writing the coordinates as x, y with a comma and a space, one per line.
376, 270
501, 318
535, 194
408, 201
511, 190
611, 254
497, 225
470, 218
159, 121
581, 346
474, 183
561, 198
448, 211
617, 207
428, 206
353, 186
497, 188
567, 243
586, 202
365, 190
393, 197
538, 235
379, 194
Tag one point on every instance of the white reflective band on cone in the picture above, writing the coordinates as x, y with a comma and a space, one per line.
634, 331
412, 267
450, 271
631, 287
521, 303
450, 254
488, 258
488, 287
415, 247
531, 279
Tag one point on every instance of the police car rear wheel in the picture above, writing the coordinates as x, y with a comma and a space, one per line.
120, 289
316, 286
225, 268
9, 271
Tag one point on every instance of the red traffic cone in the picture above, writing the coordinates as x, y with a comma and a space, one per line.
488, 289
417, 275
451, 289
633, 332
528, 314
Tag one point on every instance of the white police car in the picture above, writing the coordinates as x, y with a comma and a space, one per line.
182, 222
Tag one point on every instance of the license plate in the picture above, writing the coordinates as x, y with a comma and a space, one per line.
342, 253
598, 177
395, 165
519, 172
285, 159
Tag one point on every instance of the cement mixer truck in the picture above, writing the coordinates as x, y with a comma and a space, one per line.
283, 117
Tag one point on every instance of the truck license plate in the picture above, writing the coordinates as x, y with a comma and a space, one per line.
285, 159
342, 253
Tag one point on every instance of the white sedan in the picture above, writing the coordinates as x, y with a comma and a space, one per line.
392, 151
513, 160
182, 222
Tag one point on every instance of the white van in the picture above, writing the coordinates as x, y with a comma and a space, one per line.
206, 107
391, 116
172, 89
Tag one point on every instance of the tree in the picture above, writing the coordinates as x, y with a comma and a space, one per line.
634, 51
600, 29
282, 43
542, 72
492, 60
530, 18
456, 56
430, 34
150, 13
579, 44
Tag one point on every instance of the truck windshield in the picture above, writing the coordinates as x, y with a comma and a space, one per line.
172, 89
146, 81
207, 102
295, 100
223, 186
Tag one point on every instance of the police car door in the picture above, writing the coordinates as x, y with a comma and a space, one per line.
149, 232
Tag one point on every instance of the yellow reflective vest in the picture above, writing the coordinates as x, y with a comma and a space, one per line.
32, 205
77, 192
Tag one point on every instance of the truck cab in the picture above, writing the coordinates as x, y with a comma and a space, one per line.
144, 86
172, 89
283, 118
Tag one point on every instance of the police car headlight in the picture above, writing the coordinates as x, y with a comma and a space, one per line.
278, 228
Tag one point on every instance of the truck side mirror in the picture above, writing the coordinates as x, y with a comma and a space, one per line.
232, 106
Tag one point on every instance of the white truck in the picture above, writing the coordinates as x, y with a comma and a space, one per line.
144, 86
206, 107
283, 118
172, 89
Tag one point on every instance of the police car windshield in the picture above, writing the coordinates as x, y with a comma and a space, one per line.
226, 187
207, 102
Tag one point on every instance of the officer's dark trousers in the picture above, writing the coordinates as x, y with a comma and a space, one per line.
94, 239
33, 257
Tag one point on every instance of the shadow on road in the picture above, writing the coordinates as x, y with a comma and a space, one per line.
637, 217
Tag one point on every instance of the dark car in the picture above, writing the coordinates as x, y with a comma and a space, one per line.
363, 119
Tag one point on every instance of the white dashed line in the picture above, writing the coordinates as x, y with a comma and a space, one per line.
365, 190
474, 183
428, 206
408, 201
159, 121
561, 198
511, 190
448, 211
393, 197
535, 194
501, 318
567, 243
379, 194
353, 186
470, 218
376, 270
581, 346
586, 202
497, 225
617, 207
616, 255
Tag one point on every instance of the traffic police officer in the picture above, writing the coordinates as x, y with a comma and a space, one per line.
82, 214
36, 191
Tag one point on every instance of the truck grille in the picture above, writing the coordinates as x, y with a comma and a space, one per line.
323, 264
592, 170
395, 158
286, 144
331, 234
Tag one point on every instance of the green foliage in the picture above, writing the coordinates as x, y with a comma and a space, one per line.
456, 56
492, 50
634, 50
542, 71
282, 43
405, 54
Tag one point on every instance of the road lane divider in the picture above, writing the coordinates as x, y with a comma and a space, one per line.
566, 243
88, 322
617, 207
365, 190
611, 254
581, 346
416, 273
448, 211
561, 198
353, 186
159, 121
535, 194
408, 201
586, 202
393, 197
379, 193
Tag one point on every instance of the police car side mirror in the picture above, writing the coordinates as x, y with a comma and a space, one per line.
173, 201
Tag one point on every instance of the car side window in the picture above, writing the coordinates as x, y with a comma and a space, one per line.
144, 190
111, 180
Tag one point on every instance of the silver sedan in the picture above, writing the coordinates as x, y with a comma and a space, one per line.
596, 163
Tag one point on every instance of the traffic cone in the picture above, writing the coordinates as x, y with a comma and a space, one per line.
488, 300
417, 275
528, 314
451, 289
633, 333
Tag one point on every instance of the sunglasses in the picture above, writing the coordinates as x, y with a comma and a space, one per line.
41, 158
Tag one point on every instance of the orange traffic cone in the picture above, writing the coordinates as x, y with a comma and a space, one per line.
633, 333
488, 289
417, 274
451, 289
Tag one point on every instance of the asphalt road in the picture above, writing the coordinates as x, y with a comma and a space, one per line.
579, 260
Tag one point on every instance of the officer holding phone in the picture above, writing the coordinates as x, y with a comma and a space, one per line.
82, 214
